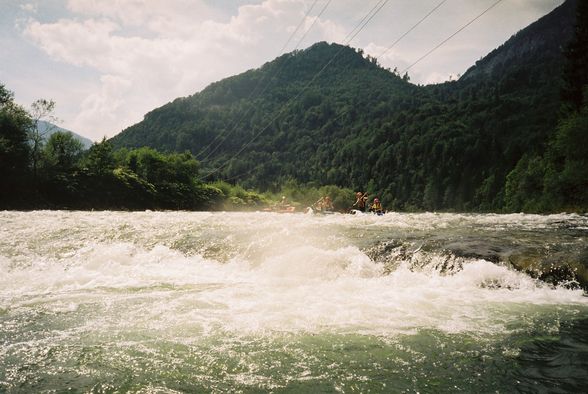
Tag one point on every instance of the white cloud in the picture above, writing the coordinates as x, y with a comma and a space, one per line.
29, 7
106, 105
73, 42
180, 53
165, 17
436, 77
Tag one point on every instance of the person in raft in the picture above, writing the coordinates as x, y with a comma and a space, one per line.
285, 206
327, 204
324, 204
360, 201
377, 207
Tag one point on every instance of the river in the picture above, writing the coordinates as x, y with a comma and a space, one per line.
167, 302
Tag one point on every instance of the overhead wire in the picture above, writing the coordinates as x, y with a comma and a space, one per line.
255, 168
375, 9
359, 27
312, 24
268, 78
451, 36
299, 25
411, 29
420, 22
361, 21
399, 39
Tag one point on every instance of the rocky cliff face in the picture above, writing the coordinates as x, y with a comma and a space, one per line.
542, 38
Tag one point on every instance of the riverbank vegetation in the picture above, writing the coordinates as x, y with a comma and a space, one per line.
57, 173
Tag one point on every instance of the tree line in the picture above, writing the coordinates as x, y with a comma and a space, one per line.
56, 172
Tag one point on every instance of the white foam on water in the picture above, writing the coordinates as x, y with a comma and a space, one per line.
296, 274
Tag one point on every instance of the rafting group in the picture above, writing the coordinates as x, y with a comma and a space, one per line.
361, 205
325, 206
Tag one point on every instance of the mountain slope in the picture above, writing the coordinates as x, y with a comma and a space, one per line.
47, 129
447, 146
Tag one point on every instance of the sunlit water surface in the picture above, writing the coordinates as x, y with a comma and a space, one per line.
214, 302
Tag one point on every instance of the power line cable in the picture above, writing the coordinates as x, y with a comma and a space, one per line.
254, 168
252, 92
377, 9
411, 29
451, 36
362, 24
299, 25
312, 24
399, 39
362, 20
276, 72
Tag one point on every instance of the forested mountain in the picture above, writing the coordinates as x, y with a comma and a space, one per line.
355, 124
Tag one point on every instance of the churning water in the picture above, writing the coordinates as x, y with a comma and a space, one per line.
157, 302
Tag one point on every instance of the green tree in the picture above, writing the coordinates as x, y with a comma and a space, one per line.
567, 176
576, 68
62, 151
41, 109
524, 185
14, 148
100, 158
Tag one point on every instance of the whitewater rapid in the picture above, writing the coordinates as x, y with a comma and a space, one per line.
255, 273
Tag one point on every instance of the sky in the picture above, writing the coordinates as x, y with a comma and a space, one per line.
106, 63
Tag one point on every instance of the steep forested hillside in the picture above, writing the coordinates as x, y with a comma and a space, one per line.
355, 124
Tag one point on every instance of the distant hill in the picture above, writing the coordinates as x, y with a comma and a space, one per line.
445, 146
48, 128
